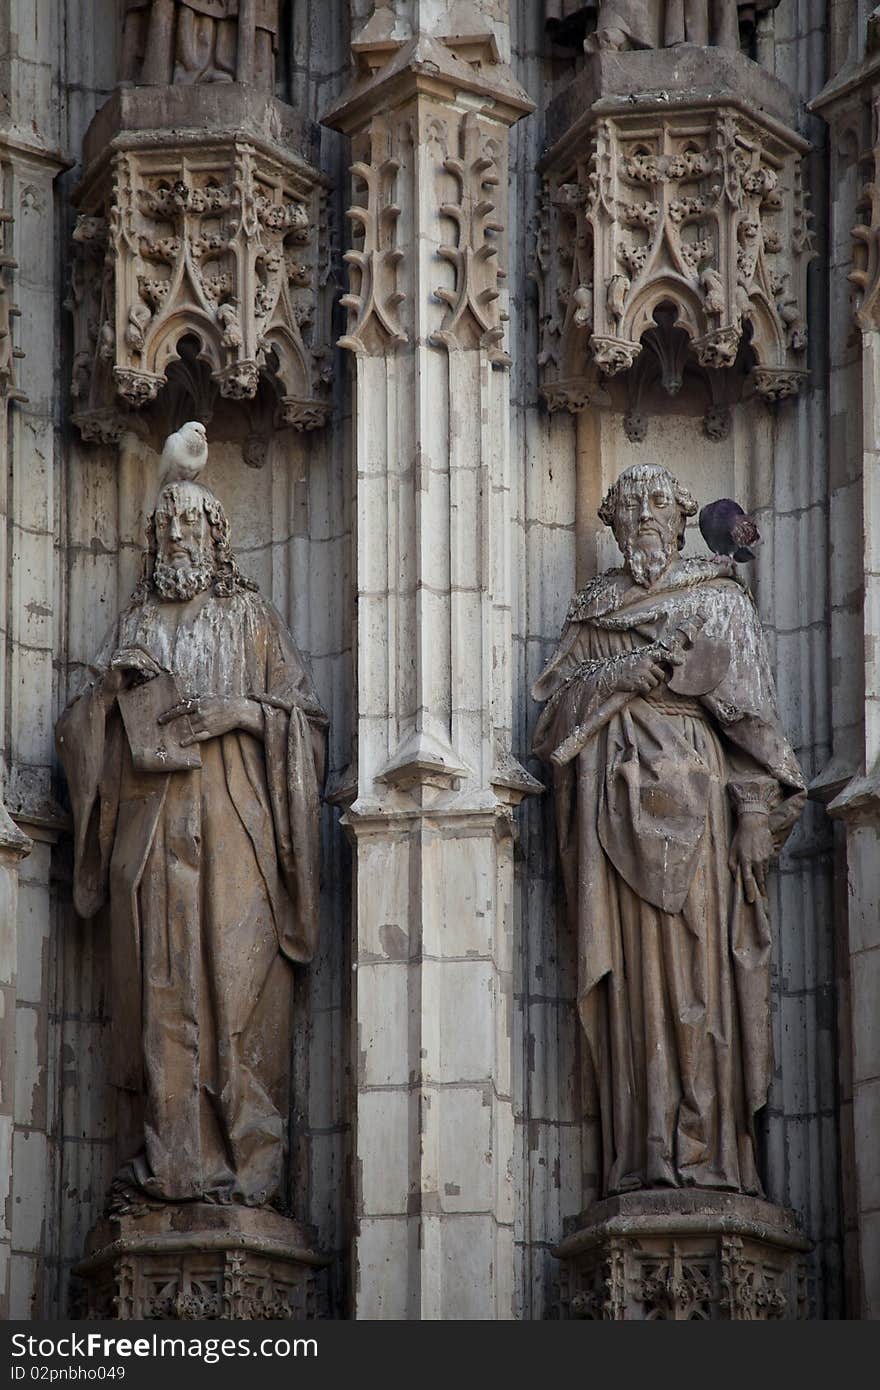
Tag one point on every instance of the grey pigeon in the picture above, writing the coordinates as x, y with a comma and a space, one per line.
728, 530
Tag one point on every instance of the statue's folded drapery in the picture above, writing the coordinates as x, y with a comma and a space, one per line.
212, 878
662, 23
674, 962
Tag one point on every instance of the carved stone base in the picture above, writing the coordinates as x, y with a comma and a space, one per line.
198, 1261
682, 1256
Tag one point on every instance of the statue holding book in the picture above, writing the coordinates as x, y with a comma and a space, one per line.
194, 759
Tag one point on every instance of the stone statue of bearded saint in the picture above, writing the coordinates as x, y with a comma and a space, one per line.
674, 787
194, 759
664, 23
189, 41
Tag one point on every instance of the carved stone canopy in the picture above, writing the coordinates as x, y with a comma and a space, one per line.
673, 183
201, 223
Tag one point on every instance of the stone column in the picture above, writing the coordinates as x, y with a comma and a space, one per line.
851, 783
858, 807
14, 845
29, 633
431, 817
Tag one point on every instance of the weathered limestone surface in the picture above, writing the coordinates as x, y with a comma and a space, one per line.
774, 461
682, 1257
423, 545
196, 1261
850, 782
434, 779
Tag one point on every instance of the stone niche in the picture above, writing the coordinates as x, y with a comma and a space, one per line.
674, 234
201, 262
197, 1261
682, 1257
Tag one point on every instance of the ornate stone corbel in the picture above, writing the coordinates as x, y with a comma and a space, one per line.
219, 242
690, 200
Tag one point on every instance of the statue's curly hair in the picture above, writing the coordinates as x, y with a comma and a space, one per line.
228, 578
644, 473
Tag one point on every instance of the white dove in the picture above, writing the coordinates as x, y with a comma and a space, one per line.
185, 453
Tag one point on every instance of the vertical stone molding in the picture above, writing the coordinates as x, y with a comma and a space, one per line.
672, 185
428, 118
850, 784
14, 846
215, 240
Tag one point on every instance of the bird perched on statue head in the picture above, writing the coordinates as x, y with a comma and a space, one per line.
728, 530
185, 453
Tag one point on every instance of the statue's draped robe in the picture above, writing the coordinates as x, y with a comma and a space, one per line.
662, 23
188, 41
673, 962
212, 880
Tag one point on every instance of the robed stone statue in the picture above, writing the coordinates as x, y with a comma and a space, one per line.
194, 759
189, 41
674, 787
661, 23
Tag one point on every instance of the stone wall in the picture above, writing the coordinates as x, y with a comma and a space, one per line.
776, 461
72, 524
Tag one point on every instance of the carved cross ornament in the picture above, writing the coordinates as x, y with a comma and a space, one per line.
695, 209
222, 244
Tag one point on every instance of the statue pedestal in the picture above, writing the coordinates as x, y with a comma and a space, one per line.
198, 1261
681, 1256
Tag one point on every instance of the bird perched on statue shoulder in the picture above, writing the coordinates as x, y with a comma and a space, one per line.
185, 453
728, 530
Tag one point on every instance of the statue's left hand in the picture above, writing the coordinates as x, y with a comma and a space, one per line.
213, 715
750, 851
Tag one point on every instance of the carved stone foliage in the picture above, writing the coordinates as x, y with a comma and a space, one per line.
670, 1270
220, 245
699, 210
9, 353
142, 1272
374, 297
865, 274
478, 167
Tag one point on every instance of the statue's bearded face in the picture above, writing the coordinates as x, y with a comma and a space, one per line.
185, 562
647, 526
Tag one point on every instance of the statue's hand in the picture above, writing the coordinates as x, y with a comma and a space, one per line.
750, 851
640, 675
128, 666
210, 716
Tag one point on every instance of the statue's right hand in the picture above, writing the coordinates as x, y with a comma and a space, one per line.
641, 675
129, 666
